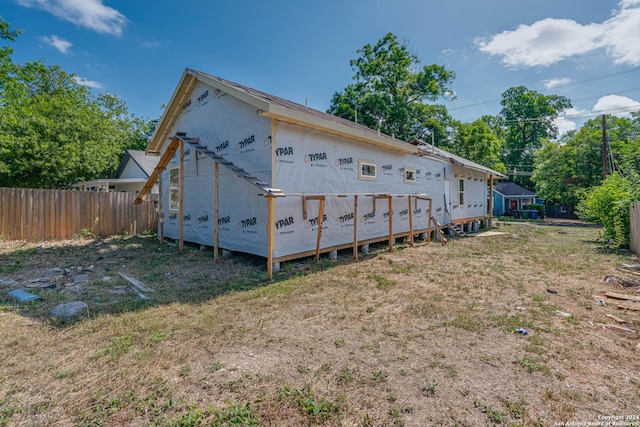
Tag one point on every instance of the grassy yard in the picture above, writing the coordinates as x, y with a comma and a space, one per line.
421, 336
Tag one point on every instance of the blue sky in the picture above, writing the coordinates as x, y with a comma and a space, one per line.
300, 50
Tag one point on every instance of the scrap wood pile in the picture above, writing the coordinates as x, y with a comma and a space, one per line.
628, 299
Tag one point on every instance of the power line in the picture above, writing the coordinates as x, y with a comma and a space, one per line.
631, 109
589, 80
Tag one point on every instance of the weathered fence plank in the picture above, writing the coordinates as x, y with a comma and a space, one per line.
35, 215
634, 221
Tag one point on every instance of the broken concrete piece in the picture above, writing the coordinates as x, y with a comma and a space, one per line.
23, 296
80, 278
54, 271
106, 278
69, 310
39, 280
8, 282
561, 313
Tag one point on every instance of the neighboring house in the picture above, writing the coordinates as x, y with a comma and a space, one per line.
132, 174
510, 197
246, 171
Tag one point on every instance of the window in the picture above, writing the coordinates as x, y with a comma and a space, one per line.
409, 176
461, 192
174, 189
367, 170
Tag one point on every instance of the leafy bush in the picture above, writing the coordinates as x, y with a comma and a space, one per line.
608, 204
536, 207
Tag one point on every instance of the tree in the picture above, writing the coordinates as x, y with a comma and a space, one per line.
529, 119
565, 169
390, 92
55, 132
608, 204
5, 60
478, 142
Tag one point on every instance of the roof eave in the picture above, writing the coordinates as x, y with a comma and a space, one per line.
363, 135
178, 99
482, 169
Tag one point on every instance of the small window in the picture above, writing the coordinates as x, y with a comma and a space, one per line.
409, 176
367, 170
461, 192
174, 189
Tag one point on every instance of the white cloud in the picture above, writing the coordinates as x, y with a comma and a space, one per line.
564, 125
151, 44
549, 41
557, 82
88, 83
91, 14
566, 122
59, 43
616, 105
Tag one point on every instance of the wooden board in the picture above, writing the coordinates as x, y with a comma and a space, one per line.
615, 295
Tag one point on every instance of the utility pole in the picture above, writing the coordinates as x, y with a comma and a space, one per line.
605, 168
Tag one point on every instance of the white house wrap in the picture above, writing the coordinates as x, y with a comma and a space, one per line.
281, 171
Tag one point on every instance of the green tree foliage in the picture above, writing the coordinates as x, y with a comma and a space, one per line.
565, 169
529, 120
55, 132
478, 142
390, 92
608, 204
5, 60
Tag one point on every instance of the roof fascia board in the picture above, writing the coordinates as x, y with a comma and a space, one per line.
479, 169
122, 163
170, 114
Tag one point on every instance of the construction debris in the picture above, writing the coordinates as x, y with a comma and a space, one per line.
80, 279
23, 296
69, 310
621, 281
615, 295
617, 319
615, 327
138, 286
561, 313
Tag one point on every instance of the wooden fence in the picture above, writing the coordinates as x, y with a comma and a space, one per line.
634, 221
36, 215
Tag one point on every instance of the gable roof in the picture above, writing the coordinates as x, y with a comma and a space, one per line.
290, 112
147, 163
512, 189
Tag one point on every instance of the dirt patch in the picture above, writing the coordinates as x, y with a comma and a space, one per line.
427, 335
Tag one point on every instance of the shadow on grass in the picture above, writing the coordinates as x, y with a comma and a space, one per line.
54, 272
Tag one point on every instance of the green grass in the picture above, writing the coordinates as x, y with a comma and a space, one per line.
494, 415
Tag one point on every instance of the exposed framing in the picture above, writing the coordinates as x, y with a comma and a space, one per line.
412, 201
